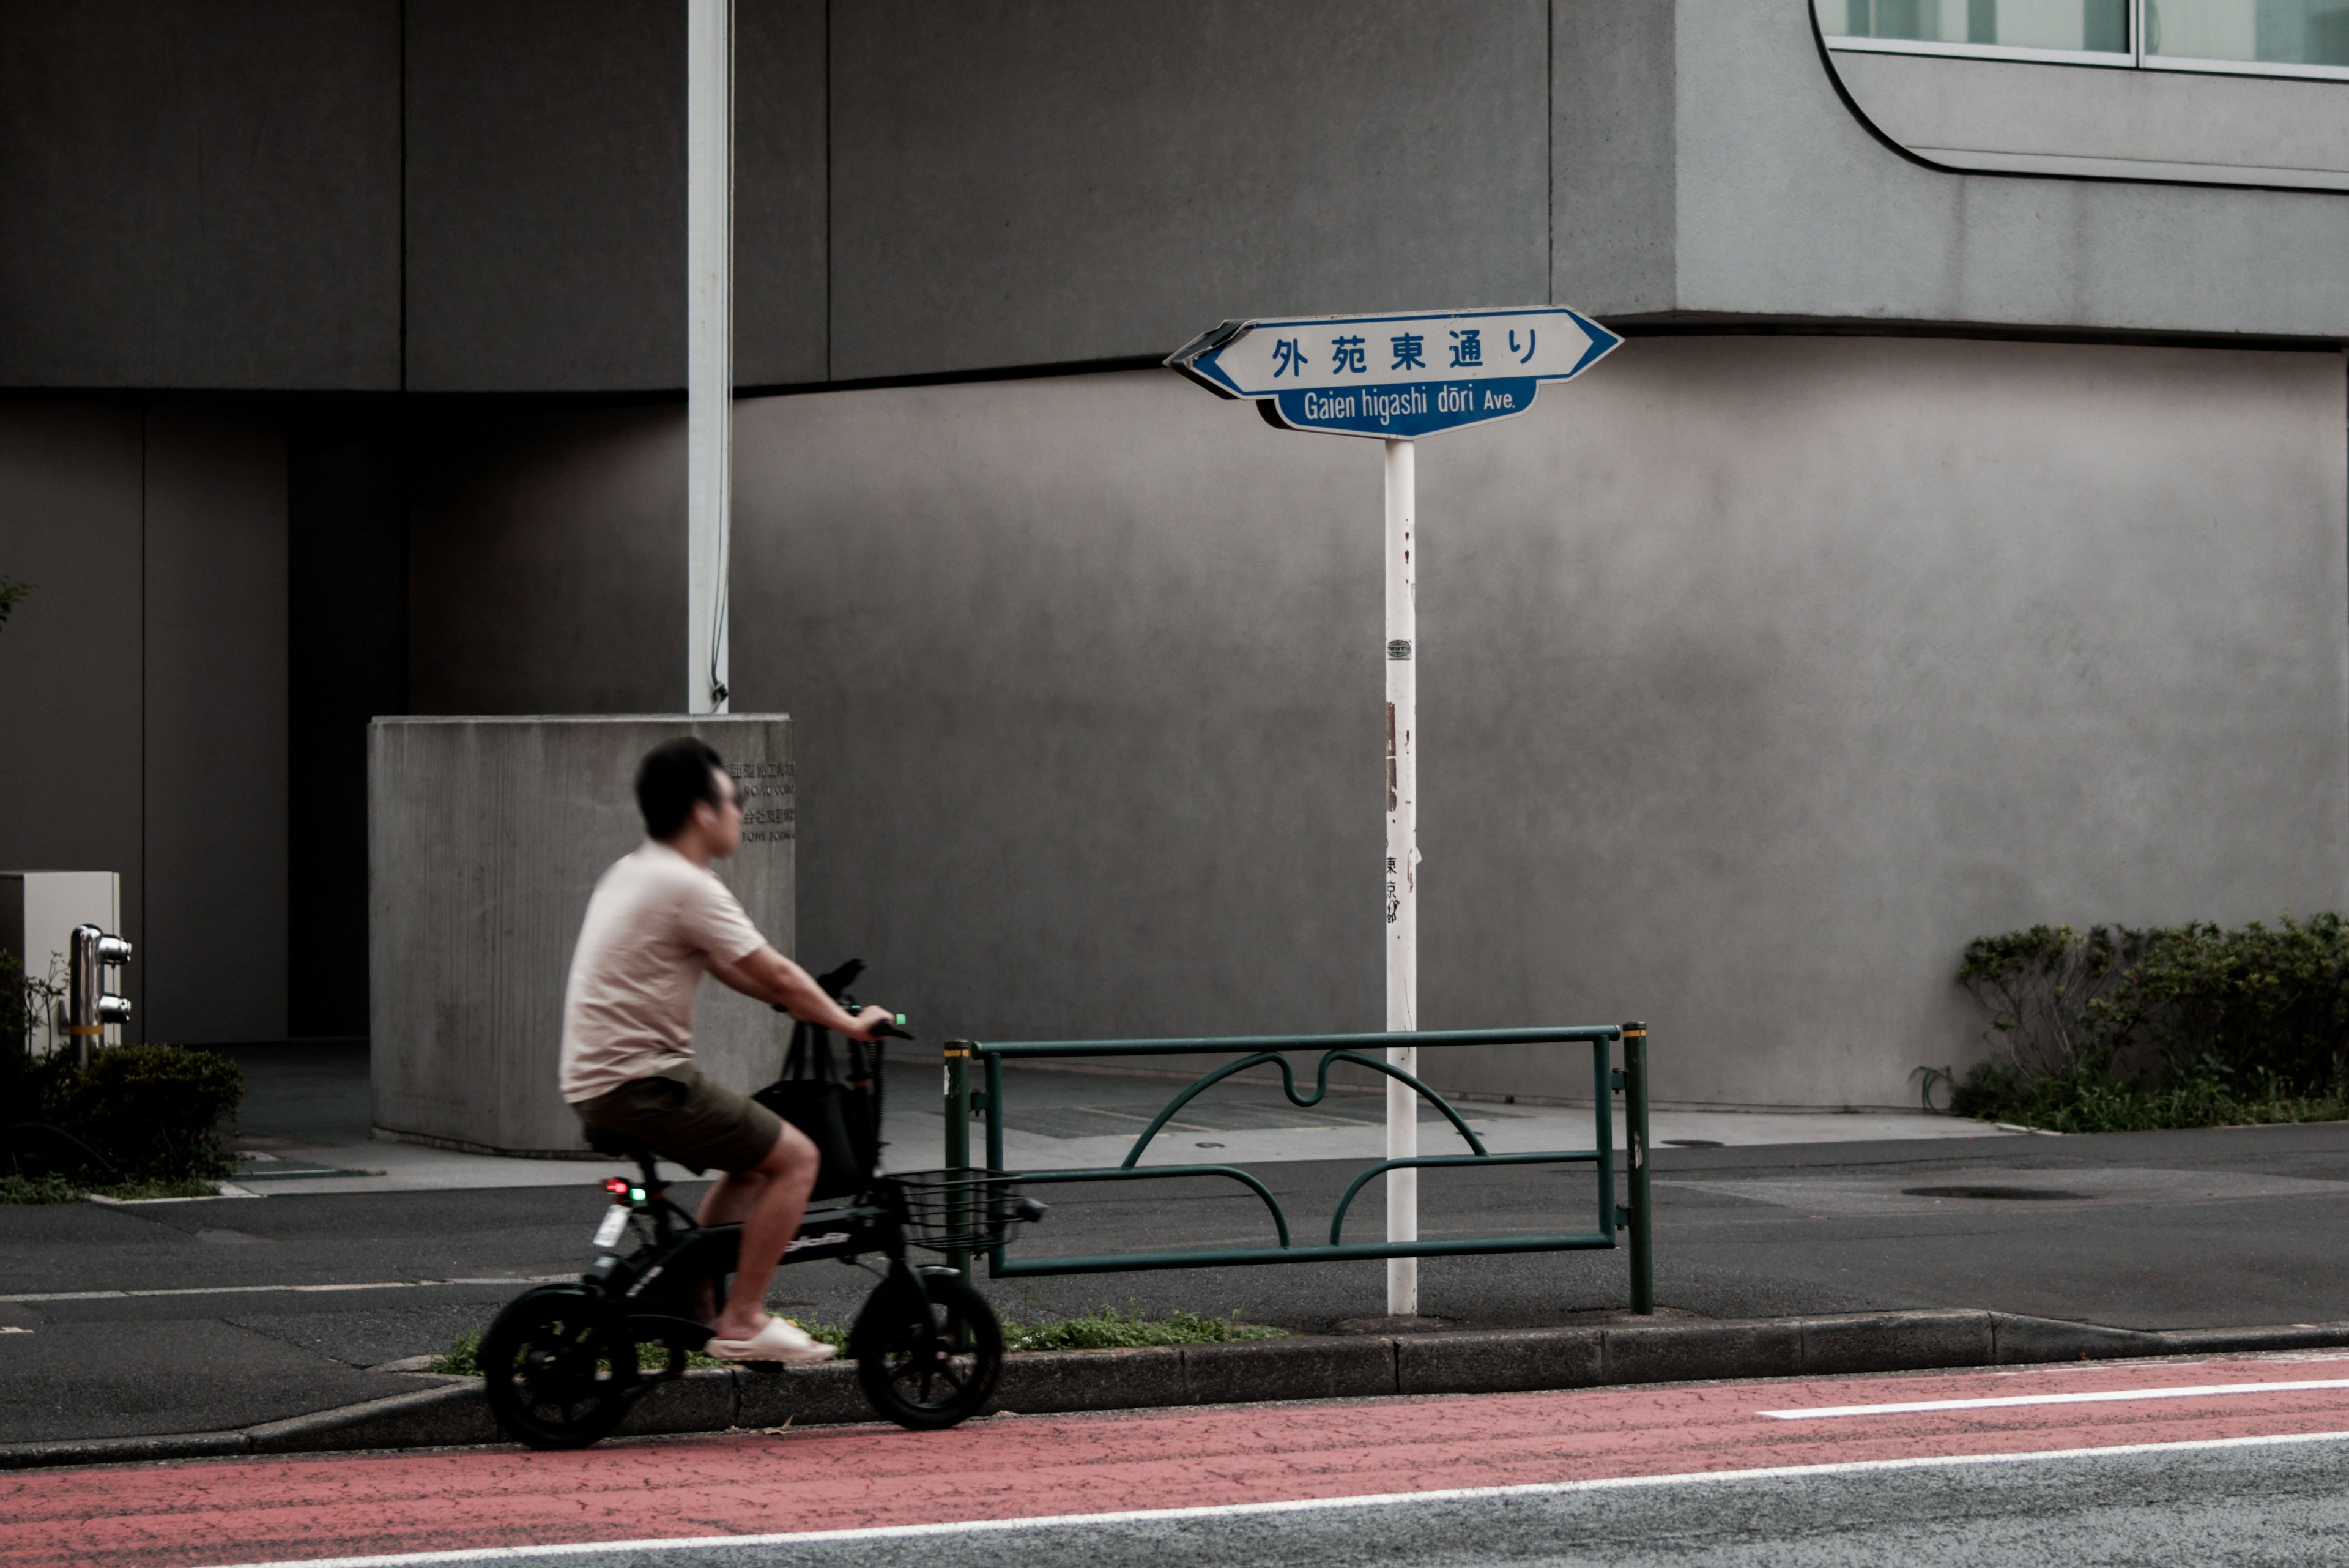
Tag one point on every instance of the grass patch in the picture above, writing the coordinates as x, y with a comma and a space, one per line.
1111, 1328
38, 1189
169, 1187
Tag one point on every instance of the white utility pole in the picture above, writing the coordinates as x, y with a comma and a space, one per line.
709, 347
1402, 863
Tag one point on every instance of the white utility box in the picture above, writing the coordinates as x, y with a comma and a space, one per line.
38, 910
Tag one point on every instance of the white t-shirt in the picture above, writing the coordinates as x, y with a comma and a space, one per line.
653, 925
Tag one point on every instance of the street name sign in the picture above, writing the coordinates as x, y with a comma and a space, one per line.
1394, 377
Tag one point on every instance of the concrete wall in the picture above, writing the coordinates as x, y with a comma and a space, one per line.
547, 561
486, 837
488, 197
1787, 206
71, 655
143, 688
200, 194
1758, 676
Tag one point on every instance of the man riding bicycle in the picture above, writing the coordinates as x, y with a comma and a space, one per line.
658, 920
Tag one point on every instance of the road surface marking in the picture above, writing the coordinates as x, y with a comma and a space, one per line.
1242, 1510
265, 1290
1916, 1407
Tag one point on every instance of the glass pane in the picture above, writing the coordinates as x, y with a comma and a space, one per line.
2277, 32
2101, 24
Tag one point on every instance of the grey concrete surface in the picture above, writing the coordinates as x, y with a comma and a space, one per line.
1759, 676
485, 839
71, 663
201, 195
480, 199
2279, 1505
1113, 181
585, 507
2008, 117
146, 679
1787, 206
214, 757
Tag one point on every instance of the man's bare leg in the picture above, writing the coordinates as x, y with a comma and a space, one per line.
769, 1201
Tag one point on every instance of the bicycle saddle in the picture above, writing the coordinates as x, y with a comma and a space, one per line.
604, 1140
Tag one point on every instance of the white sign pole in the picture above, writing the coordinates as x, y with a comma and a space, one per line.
709, 347
1402, 865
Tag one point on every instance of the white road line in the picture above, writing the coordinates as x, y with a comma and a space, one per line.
1240, 1509
265, 1290
1912, 1407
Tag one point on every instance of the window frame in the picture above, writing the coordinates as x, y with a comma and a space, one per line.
2135, 57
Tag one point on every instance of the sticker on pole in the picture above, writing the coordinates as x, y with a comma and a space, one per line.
1394, 376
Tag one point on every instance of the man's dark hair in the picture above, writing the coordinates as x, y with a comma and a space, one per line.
674, 775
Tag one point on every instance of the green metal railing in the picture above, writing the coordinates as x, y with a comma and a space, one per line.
1630, 1080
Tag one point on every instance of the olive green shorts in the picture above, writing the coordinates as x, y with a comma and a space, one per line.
689, 1119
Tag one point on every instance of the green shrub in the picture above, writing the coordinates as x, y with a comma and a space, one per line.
153, 1110
2192, 1025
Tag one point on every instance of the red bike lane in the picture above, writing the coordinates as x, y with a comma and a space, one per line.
197, 1513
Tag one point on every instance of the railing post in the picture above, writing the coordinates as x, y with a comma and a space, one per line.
958, 1093
1635, 1145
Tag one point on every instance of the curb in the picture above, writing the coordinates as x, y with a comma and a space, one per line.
1304, 1366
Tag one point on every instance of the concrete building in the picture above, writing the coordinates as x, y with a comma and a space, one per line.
1961, 540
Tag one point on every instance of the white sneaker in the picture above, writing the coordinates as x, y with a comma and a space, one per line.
778, 1341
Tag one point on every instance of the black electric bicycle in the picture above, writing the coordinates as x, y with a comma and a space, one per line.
565, 1363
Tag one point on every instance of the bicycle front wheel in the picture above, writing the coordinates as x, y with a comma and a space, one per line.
557, 1378
927, 1365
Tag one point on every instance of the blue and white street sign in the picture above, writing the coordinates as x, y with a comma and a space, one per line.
1395, 376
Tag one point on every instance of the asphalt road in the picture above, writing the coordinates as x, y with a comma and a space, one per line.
203, 1315
2226, 1460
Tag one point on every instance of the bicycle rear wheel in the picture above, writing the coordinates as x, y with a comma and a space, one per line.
556, 1377
927, 1365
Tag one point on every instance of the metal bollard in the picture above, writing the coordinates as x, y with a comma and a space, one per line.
90, 1007
958, 1108
1635, 1141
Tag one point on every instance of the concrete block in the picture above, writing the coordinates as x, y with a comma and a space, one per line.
1295, 1369
703, 1400
1497, 1360
485, 837
1042, 1382
801, 1396
1896, 1341
1684, 1352
2027, 1339
454, 1414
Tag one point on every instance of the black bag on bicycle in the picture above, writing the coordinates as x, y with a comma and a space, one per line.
842, 1118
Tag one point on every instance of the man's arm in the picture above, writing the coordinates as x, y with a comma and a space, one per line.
771, 977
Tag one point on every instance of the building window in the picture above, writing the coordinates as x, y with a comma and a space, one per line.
2265, 37
2253, 32
2032, 28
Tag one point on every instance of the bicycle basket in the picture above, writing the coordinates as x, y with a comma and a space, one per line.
956, 1211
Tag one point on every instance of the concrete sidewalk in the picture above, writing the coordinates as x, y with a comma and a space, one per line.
305, 1126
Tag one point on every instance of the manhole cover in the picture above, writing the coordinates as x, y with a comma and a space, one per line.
2000, 1194
1693, 1143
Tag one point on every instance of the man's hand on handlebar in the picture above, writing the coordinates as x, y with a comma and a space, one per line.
873, 1023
